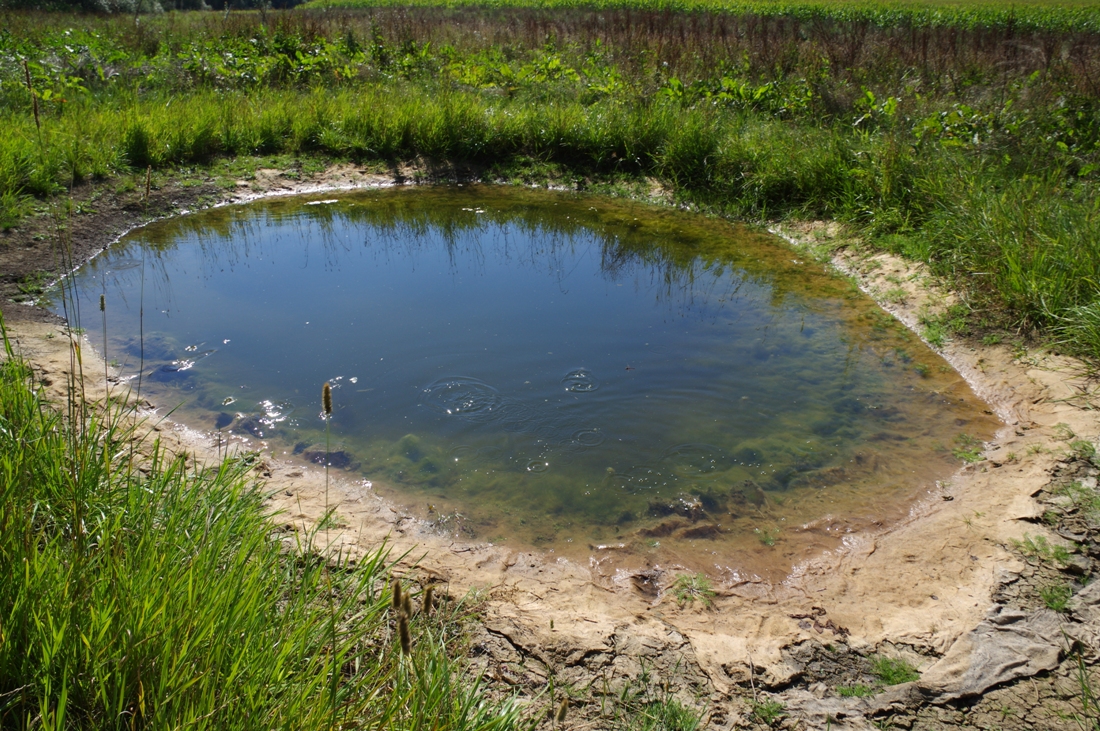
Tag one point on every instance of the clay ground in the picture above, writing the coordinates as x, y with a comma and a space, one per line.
961, 590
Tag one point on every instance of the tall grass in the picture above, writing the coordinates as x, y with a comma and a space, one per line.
153, 594
976, 146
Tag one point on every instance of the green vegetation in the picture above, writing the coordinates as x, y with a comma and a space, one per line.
768, 711
893, 671
1044, 14
1056, 596
1040, 548
691, 587
854, 691
638, 708
1081, 498
152, 593
967, 448
936, 131
767, 536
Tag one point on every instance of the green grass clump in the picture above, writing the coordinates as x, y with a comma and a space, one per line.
855, 691
1040, 548
893, 671
152, 593
967, 448
769, 711
693, 587
1056, 596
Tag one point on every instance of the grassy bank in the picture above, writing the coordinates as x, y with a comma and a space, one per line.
151, 593
973, 145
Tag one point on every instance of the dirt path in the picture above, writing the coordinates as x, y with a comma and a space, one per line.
948, 590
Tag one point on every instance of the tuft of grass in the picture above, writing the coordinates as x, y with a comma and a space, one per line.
767, 536
1056, 596
855, 691
1083, 450
689, 588
768, 711
893, 671
967, 448
1082, 498
1040, 548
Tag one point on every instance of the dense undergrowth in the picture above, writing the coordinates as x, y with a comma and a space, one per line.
973, 146
143, 593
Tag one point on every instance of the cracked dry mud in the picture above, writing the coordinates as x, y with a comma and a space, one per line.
956, 589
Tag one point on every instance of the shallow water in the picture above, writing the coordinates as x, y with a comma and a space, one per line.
548, 370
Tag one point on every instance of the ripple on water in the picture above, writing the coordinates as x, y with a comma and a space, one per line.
588, 437
464, 453
580, 380
538, 465
467, 398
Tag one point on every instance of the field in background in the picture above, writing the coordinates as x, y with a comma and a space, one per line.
966, 136
1062, 15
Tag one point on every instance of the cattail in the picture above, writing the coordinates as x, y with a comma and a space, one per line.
148, 179
404, 634
102, 303
326, 398
563, 709
34, 98
396, 595
429, 600
407, 605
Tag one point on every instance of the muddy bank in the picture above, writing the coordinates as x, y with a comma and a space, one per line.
930, 589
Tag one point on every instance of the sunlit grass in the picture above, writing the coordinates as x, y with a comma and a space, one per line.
151, 592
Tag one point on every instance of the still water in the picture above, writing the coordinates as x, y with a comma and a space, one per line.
547, 370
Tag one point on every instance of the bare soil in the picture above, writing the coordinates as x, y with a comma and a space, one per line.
956, 589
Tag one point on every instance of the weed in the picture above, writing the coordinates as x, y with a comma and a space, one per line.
1081, 498
922, 369
1063, 432
967, 448
32, 286
895, 295
855, 691
691, 587
934, 332
1083, 450
893, 671
769, 711
1042, 549
1056, 596
768, 536
991, 339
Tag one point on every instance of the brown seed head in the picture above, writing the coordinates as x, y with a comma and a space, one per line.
396, 595
102, 304
407, 604
326, 398
563, 709
404, 634
429, 600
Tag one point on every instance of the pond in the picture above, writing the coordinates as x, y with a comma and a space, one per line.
548, 370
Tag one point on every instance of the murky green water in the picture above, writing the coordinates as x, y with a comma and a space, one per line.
546, 369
